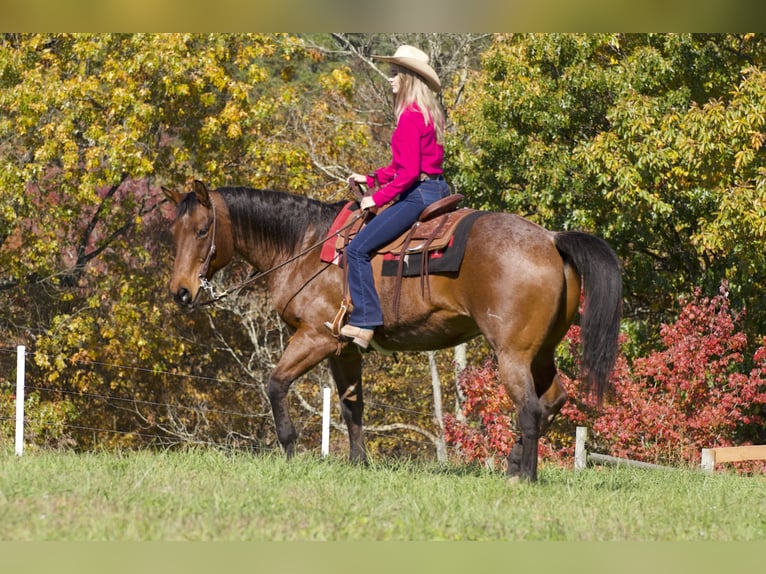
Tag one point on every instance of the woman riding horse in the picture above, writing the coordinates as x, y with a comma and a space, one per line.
413, 180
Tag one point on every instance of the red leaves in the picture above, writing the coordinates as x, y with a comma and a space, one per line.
694, 392
486, 403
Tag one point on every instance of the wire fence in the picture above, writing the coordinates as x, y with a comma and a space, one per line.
51, 391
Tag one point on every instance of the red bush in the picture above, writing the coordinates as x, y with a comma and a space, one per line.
693, 393
488, 427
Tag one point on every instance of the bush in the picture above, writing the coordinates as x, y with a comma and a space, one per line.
696, 391
45, 422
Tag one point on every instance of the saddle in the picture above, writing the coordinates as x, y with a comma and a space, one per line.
432, 232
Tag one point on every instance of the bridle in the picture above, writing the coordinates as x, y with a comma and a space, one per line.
202, 275
207, 286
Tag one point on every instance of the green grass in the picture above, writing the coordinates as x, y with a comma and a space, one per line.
203, 495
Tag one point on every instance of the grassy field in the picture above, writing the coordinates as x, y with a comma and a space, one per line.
207, 495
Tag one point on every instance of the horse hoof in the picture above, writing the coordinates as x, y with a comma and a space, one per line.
520, 479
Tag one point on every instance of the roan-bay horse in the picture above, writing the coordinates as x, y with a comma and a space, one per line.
518, 285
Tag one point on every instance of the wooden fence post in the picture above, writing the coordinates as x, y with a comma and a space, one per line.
713, 456
326, 421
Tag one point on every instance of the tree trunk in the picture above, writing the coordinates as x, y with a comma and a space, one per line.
441, 445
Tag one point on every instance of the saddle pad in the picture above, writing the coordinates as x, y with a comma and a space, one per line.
444, 260
329, 253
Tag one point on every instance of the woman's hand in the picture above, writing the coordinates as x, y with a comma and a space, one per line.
366, 203
358, 178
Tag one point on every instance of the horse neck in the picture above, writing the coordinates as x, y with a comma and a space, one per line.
269, 227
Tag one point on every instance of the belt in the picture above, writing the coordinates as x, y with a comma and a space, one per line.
427, 176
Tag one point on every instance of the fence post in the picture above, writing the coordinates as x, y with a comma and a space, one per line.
20, 354
581, 455
708, 460
325, 421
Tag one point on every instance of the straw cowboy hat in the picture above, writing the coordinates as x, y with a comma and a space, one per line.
416, 61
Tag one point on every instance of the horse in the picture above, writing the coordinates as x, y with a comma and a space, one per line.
519, 285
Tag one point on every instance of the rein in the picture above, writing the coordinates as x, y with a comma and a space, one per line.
207, 286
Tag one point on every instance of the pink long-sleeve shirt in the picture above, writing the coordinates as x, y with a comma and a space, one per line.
414, 149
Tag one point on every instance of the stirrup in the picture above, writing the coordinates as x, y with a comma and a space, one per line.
340, 319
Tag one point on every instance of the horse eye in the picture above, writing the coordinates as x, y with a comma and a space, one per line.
203, 232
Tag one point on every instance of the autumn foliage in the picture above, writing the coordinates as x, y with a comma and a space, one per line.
488, 409
652, 141
700, 389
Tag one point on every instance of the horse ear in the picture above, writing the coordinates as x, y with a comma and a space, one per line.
201, 192
172, 195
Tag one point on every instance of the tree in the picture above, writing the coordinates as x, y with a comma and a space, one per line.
90, 124
95, 123
651, 141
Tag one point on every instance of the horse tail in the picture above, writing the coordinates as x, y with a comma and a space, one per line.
599, 268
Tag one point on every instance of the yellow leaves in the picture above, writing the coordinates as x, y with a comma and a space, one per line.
234, 130
743, 157
233, 116
340, 80
175, 88
739, 221
757, 139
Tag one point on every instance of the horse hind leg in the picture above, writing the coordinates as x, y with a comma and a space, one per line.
347, 372
552, 401
519, 382
552, 397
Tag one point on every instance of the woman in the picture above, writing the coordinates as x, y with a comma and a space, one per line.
413, 179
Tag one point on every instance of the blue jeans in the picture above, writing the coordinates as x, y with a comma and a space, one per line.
378, 232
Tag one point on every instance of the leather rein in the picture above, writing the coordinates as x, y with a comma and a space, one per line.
207, 286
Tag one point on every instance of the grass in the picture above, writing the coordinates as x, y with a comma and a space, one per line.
204, 495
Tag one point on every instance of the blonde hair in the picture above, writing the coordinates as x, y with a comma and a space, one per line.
413, 90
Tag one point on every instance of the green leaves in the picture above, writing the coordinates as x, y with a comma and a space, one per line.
651, 141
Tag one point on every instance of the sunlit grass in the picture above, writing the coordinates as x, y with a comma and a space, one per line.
213, 495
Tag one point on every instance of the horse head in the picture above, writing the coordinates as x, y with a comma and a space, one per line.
202, 238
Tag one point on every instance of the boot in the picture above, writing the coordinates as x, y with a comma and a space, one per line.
358, 335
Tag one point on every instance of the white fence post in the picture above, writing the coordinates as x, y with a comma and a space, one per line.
20, 354
708, 459
325, 421
581, 455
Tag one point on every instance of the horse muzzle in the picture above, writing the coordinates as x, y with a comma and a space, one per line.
185, 298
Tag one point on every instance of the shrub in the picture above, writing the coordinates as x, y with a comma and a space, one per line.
696, 391
693, 393
45, 422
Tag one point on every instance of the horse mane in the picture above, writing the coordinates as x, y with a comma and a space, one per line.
282, 220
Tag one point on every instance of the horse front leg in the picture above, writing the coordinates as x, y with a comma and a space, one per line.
305, 351
286, 433
347, 372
